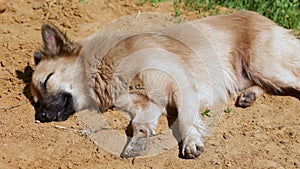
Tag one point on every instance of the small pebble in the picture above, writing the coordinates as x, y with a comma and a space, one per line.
3, 6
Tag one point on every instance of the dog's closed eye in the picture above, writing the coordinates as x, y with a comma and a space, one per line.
44, 85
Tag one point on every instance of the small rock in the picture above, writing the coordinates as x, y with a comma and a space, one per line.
3, 6
37, 28
37, 6
70, 165
67, 24
225, 136
6, 32
77, 13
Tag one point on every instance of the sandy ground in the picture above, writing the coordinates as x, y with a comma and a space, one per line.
267, 135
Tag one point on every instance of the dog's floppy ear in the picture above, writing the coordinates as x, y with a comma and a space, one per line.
55, 41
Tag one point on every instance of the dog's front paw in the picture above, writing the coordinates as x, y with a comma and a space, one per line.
136, 147
192, 147
246, 99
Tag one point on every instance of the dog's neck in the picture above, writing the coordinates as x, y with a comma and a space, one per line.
108, 88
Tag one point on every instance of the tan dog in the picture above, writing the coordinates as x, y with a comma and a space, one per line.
187, 67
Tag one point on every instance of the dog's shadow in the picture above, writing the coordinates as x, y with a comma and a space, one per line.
26, 76
172, 117
290, 92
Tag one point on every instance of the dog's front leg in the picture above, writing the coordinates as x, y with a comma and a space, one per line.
142, 131
191, 127
145, 119
191, 130
143, 124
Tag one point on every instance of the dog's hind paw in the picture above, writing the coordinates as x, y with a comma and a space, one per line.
246, 99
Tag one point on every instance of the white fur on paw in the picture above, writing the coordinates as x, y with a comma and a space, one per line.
192, 146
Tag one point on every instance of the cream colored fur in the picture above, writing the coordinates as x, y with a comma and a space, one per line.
189, 66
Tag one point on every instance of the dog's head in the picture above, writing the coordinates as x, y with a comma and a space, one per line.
51, 85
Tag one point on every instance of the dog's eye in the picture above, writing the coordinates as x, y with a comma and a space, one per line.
35, 102
44, 85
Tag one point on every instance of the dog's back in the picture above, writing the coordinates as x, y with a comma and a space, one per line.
222, 52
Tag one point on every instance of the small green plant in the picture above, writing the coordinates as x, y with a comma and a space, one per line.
154, 2
177, 10
228, 110
82, 1
206, 113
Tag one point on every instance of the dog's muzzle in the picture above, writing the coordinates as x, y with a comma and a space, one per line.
56, 108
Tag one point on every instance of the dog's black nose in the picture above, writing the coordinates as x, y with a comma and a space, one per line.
44, 116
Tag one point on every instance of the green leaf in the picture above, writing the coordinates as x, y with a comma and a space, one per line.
206, 113
228, 110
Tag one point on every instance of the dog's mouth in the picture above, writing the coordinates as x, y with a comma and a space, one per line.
68, 108
56, 108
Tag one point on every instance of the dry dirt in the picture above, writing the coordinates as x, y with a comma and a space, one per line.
267, 135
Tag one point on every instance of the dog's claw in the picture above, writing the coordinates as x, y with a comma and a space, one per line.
192, 147
189, 153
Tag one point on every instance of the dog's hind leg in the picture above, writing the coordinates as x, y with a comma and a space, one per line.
283, 76
277, 65
274, 65
275, 81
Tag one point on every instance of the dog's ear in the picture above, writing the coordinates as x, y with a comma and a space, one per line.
38, 56
55, 41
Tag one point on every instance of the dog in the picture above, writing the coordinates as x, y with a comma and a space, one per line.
188, 67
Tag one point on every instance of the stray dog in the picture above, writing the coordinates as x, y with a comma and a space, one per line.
188, 67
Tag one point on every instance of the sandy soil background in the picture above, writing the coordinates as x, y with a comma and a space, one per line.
267, 135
